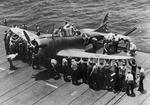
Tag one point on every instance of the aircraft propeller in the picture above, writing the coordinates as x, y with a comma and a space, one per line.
33, 45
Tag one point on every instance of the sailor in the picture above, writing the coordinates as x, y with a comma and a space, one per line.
94, 77
89, 70
59, 32
133, 68
133, 48
10, 57
38, 32
82, 70
67, 29
36, 27
69, 66
142, 76
5, 22
106, 48
74, 67
107, 74
54, 67
122, 71
5, 42
116, 42
130, 83
94, 44
35, 62
101, 77
73, 32
116, 77
65, 69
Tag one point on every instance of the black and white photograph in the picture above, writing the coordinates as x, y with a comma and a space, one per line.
74, 52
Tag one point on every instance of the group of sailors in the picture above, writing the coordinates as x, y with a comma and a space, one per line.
111, 42
113, 75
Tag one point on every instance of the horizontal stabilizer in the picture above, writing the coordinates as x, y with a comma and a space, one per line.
130, 31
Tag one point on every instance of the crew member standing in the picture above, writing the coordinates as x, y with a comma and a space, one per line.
107, 74
65, 69
82, 70
101, 76
130, 83
10, 57
106, 48
116, 42
35, 61
5, 22
74, 67
89, 70
116, 77
94, 77
37, 28
133, 68
94, 44
132, 49
142, 76
5, 42
122, 71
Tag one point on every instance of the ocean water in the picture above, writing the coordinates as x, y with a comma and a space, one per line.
123, 15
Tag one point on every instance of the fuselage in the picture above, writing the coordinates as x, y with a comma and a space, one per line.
56, 44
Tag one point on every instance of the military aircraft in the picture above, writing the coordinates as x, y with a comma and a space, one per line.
52, 45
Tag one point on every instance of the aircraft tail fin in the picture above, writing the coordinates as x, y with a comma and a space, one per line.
103, 27
105, 18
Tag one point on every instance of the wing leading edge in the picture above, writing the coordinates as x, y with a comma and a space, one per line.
81, 54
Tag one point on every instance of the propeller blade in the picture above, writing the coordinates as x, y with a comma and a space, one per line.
27, 37
130, 31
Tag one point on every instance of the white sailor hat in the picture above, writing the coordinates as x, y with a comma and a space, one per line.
53, 61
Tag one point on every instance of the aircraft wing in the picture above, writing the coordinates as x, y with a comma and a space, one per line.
82, 54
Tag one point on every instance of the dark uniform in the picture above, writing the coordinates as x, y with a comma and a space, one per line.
107, 76
35, 62
89, 70
94, 78
116, 42
74, 67
142, 76
116, 79
133, 68
82, 71
122, 71
5, 22
65, 69
101, 77
5, 42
